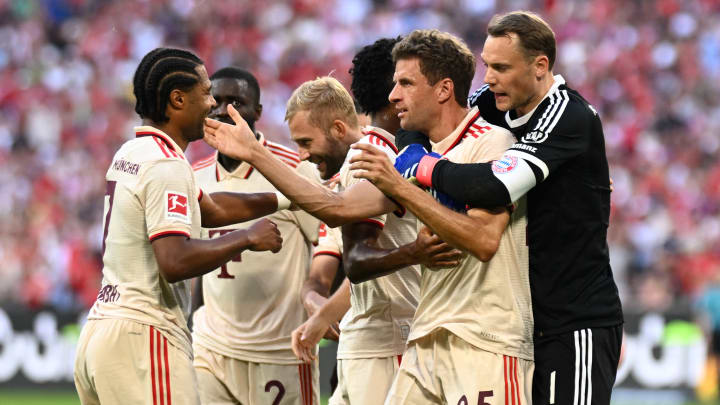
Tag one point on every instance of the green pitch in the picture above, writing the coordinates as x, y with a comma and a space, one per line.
38, 397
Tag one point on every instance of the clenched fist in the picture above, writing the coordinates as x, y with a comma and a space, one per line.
264, 235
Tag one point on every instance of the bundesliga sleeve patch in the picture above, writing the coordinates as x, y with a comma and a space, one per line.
504, 165
176, 207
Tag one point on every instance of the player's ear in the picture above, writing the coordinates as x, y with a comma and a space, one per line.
445, 90
541, 65
338, 129
177, 99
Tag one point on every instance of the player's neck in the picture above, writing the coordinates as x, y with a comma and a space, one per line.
448, 120
386, 119
171, 130
543, 87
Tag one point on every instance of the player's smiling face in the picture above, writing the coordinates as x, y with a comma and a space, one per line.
412, 95
316, 146
200, 103
510, 74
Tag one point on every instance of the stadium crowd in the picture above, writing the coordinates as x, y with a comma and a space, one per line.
651, 69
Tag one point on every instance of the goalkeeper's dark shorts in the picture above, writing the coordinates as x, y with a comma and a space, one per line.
576, 367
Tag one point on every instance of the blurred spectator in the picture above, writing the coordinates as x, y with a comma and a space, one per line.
651, 68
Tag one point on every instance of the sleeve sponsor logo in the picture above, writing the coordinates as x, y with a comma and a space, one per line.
534, 137
504, 165
177, 206
522, 146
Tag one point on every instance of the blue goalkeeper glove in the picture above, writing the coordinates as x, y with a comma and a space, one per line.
415, 156
415, 164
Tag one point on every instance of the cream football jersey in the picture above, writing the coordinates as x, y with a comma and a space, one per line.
151, 193
378, 322
252, 303
486, 304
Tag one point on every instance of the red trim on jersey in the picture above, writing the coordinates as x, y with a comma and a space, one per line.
289, 162
285, 155
167, 371
162, 147
204, 162
200, 196
399, 357
164, 141
327, 252
462, 133
152, 364
388, 143
283, 149
249, 172
217, 173
168, 233
374, 222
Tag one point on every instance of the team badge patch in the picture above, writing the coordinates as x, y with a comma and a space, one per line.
176, 206
504, 165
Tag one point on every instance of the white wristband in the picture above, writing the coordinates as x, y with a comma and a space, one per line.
283, 202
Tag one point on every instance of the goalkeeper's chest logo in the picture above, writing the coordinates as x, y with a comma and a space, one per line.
534, 137
177, 206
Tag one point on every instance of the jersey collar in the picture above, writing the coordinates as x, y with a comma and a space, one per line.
147, 130
456, 136
244, 169
514, 123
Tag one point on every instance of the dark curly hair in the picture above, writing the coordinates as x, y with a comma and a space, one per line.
441, 55
372, 75
161, 71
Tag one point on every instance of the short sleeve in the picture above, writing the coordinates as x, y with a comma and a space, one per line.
166, 192
328, 242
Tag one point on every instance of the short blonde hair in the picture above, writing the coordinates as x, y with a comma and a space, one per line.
326, 99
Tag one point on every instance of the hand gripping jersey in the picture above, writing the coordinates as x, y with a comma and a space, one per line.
485, 304
378, 322
151, 193
252, 303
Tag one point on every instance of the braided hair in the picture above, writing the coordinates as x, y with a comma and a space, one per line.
372, 75
232, 72
161, 71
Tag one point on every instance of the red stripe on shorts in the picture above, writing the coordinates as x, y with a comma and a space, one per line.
167, 371
517, 386
159, 368
399, 357
152, 364
505, 375
302, 382
512, 382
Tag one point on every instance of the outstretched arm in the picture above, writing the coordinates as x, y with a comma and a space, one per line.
335, 209
226, 208
181, 258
